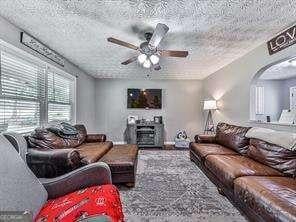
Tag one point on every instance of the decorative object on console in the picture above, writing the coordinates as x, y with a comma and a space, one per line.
132, 119
158, 119
182, 140
209, 105
42, 49
149, 52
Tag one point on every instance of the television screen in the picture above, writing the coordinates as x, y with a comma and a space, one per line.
144, 98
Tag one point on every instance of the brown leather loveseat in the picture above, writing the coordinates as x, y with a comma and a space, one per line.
256, 176
50, 155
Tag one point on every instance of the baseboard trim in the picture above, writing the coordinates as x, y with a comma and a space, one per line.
119, 143
123, 142
169, 143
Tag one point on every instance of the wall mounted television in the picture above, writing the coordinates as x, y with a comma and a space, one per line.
144, 98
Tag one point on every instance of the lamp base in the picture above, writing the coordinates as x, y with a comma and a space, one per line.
209, 127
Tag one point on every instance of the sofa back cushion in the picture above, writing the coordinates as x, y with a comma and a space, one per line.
42, 138
233, 137
20, 189
277, 157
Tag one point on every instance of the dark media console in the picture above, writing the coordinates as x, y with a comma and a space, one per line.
147, 134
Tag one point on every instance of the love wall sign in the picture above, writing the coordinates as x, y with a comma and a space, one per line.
282, 41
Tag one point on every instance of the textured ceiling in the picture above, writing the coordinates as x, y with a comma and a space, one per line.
215, 32
283, 70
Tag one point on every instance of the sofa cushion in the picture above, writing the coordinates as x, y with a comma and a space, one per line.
232, 137
274, 198
92, 152
274, 156
97, 200
42, 138
201, 150
228, 168
20, 189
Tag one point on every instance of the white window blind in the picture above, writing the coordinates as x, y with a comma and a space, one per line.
22, 93
60, 97
259, 97
32, 93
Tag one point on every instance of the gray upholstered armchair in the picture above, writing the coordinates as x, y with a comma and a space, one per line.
20, 190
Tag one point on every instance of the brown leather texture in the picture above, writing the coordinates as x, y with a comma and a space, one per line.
122, 160
121, 157
274, 156
233, 137
95, 138
41, 138
202, 150
88, 149
205, 138
227, 168
51, 163
92, 152
274, 198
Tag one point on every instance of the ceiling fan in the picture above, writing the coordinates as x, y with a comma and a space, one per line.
149, 51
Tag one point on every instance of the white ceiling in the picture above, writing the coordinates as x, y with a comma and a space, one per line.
215, 32
283, 70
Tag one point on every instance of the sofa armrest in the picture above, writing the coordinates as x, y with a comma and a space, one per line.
91, 175
53, 162
205, 138
94, 138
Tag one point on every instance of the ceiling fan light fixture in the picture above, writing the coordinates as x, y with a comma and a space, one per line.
148, 55
147, 64
154, 59
142, 58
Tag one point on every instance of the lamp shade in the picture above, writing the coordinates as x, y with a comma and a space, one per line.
210, 104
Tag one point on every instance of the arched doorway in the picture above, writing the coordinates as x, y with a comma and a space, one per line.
273, 93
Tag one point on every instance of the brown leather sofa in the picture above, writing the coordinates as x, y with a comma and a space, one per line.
50, 155
256, 176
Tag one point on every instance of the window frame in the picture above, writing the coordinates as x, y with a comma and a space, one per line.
43, 102
259, 100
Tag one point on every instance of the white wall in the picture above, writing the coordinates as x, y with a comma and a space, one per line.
85, 112
181, 101
231, 86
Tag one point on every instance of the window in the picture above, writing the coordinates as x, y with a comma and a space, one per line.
259, 97
32, 93
60, 92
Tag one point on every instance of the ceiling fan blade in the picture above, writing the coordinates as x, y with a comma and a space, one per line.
129, 60
122, 43
171, 53
158, 34
157, 67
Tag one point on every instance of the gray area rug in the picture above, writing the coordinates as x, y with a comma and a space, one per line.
169, 187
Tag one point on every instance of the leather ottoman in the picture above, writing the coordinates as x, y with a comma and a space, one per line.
122, 160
